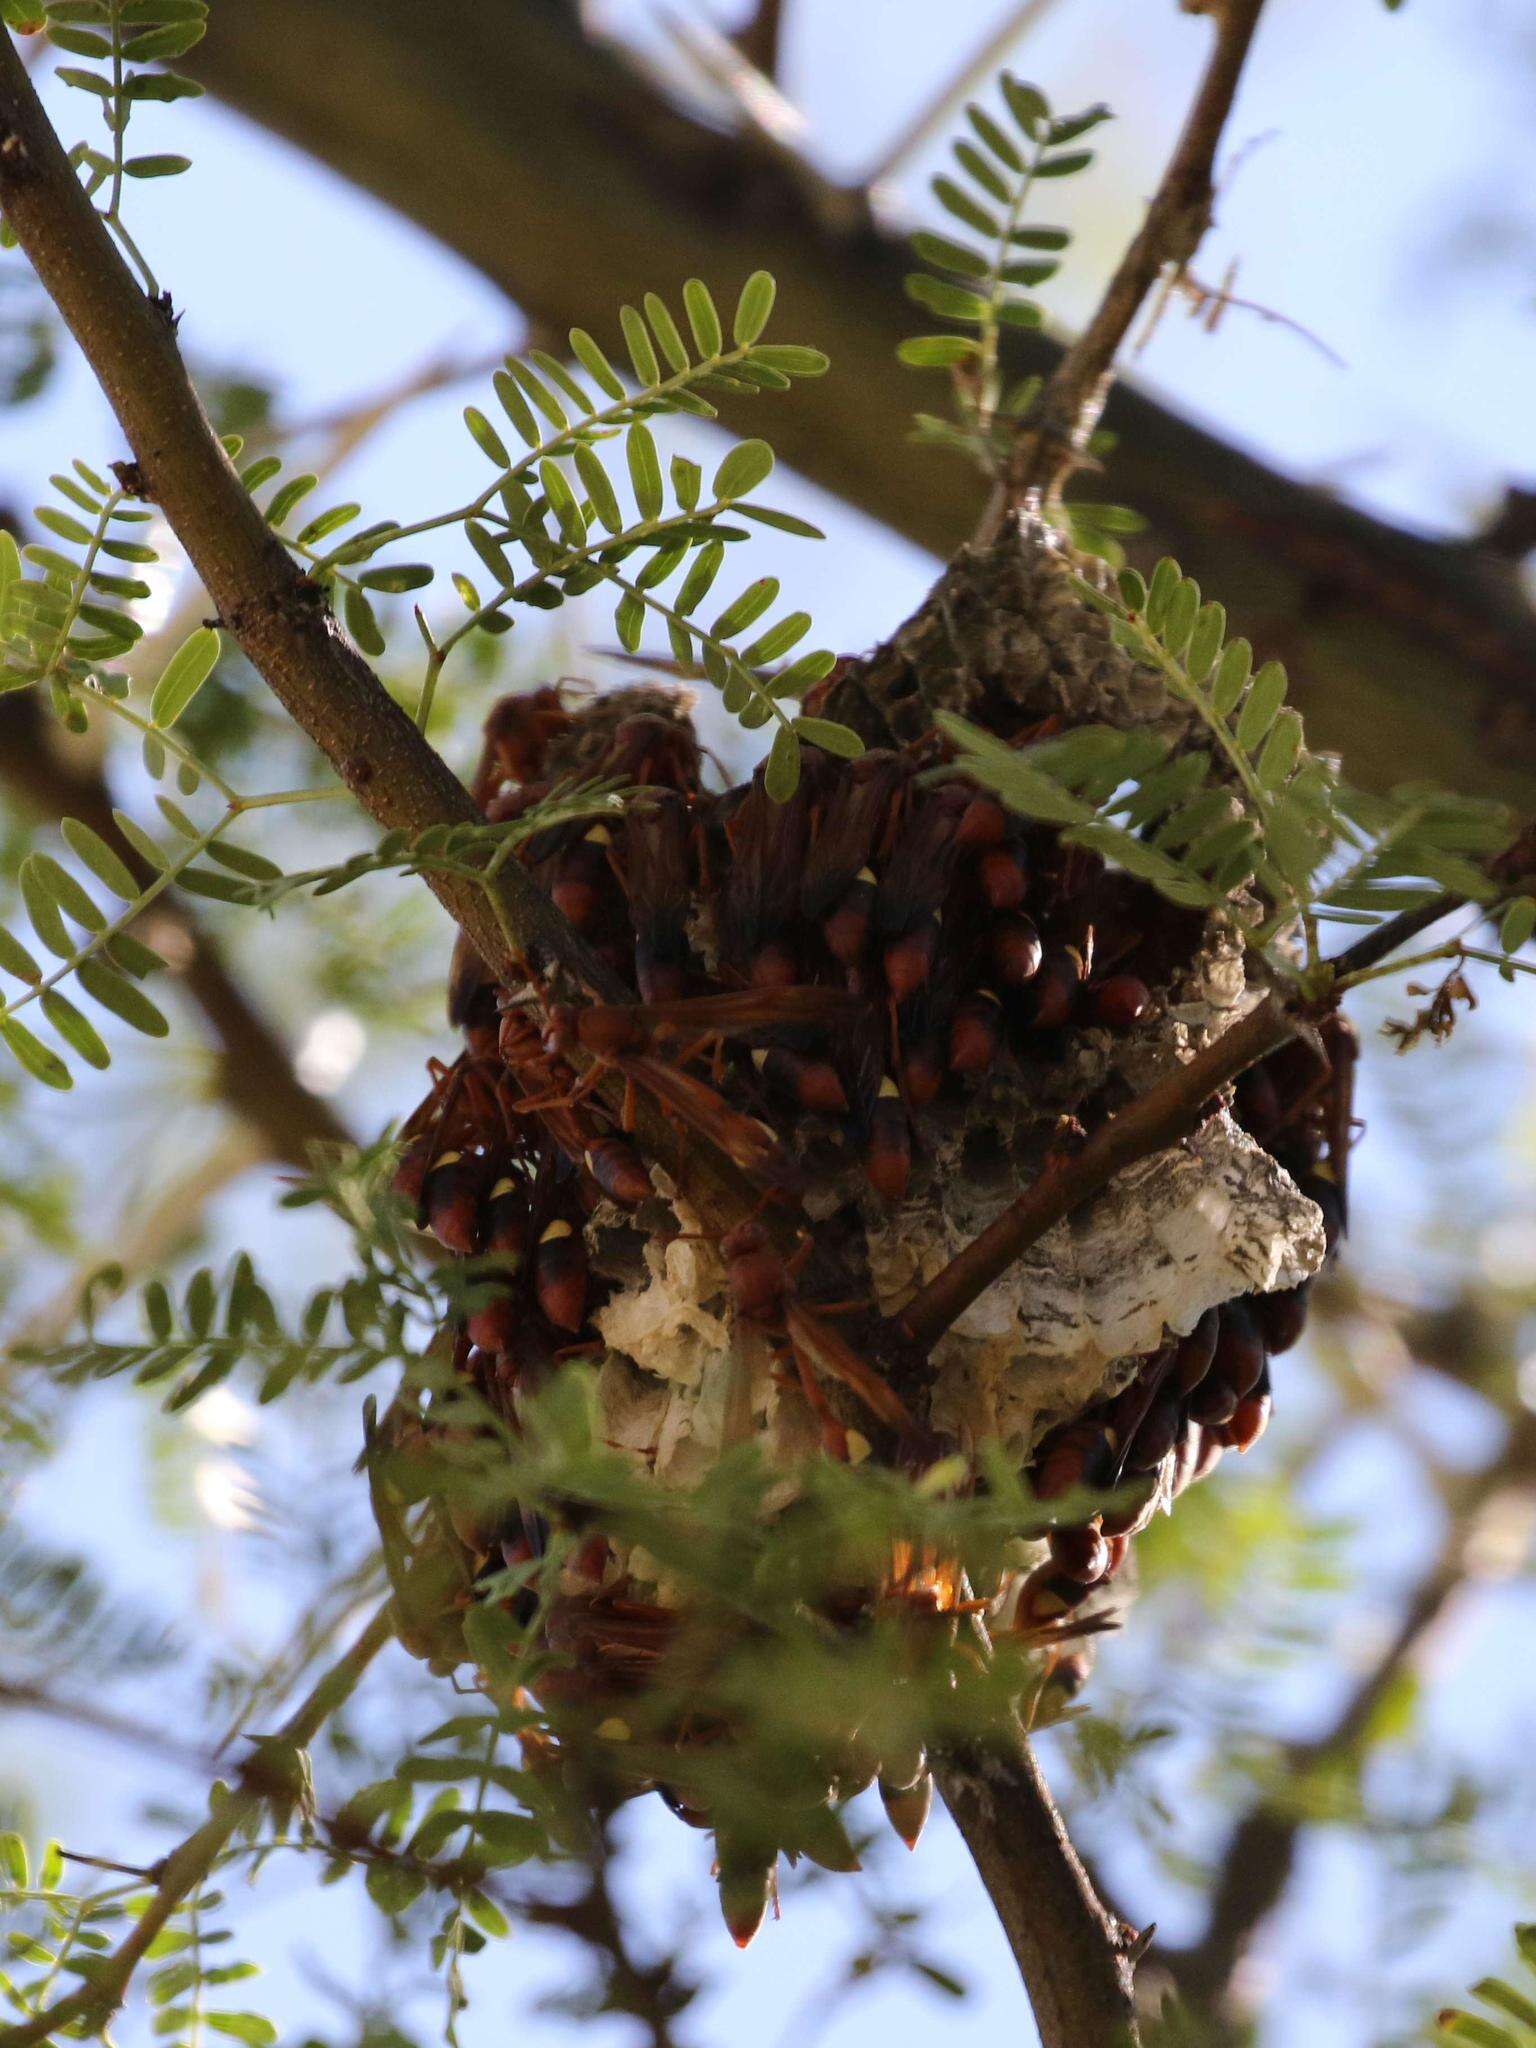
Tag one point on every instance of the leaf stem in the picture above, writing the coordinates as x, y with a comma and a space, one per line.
98, 941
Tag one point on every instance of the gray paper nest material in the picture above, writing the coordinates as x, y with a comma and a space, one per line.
1179, 1233
1171, 1237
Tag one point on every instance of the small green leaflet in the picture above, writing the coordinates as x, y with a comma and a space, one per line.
184, 675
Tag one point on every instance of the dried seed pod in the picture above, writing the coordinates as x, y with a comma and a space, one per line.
976, 1032
1119, 1002
1014, 948
560, 1276
1192, 1360
1082, 1553
907, 1807
888, 1154
1282, 1317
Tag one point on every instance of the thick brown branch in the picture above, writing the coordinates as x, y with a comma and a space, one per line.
256, 1077
1054, 434
1153, 1122
1075, 1957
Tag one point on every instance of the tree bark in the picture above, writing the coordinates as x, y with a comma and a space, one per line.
574, 184
1075, 1956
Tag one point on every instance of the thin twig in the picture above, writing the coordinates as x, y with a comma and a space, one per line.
1384, 939
1259, 1860
936, 111
1167, 1112
184, 1870
275, 612
143, 1235
25, 1698
761, 42
652, 1993
256, 1076
775, 124
1052, 436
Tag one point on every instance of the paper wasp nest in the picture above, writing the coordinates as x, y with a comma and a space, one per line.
890, 1002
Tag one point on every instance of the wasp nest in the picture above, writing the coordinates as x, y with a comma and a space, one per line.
891, 1003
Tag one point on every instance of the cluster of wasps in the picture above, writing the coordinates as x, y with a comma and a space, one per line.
821, 982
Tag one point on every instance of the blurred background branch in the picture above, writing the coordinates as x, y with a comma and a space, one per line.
1401, 648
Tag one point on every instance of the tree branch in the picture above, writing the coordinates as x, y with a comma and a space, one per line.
1074, 1956
1154, 1121
1260, 1856
24, 1698
278, 616
761, 42
184, 1870
1401, 648
1384, 939
1053, 437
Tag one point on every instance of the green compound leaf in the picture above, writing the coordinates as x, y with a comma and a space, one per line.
184, 675
753, 308
34, 1056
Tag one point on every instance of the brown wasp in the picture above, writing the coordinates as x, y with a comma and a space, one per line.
630, 1038
761, 1281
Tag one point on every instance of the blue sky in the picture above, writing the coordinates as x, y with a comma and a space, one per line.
1368, 143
